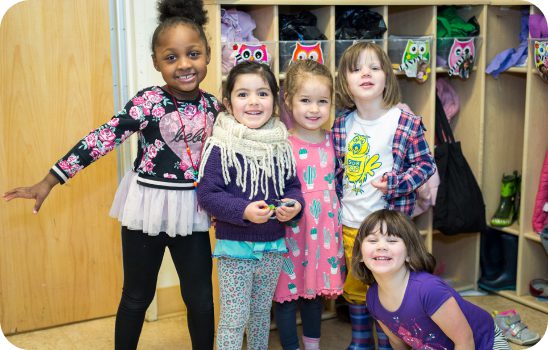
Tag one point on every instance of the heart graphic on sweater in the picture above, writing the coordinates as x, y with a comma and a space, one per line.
174, 137
170, 129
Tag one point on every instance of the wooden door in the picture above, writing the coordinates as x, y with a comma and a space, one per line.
64, 264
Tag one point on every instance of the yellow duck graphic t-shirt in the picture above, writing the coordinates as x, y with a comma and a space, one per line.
368, 157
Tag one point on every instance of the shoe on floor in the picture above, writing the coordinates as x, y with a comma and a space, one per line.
514, 330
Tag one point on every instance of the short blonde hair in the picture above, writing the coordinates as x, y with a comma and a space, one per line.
298, 71
391, 94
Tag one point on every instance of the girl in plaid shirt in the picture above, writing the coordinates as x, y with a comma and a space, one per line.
382, 158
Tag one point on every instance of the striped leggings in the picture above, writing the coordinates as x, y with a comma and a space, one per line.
500, 343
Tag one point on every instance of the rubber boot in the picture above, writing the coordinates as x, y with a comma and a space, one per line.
490, 255
507, 279
517, 198
362, 328
504, 216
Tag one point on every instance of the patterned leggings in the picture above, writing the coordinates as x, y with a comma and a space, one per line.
246, 288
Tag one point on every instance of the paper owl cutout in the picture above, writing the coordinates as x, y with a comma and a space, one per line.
461, 58
541, 58
246, 52
308, 52
415, 59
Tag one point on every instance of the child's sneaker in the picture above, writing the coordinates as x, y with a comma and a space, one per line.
514, 330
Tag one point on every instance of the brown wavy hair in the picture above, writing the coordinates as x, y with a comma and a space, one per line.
392, 223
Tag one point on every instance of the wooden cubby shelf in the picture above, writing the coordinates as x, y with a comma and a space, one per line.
502, 123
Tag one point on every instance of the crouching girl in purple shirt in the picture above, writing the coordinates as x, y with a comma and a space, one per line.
415, 308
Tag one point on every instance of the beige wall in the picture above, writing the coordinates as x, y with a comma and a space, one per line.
64, 264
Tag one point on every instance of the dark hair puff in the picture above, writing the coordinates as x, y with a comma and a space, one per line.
191, 9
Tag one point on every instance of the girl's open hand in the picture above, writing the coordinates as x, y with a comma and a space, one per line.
258, 212
39, 191
285, 213
382, 184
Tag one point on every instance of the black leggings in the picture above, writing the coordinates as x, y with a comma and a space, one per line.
142, 257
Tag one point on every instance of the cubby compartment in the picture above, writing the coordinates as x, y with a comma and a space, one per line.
467, 126
411, 20
535, 147
317, 50
462, 273
236, 52
373, 34
414, 95
236, 31
504, 136
532, 263
503, 28
411, 55
458, 55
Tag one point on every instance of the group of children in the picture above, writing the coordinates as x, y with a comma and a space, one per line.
289, 206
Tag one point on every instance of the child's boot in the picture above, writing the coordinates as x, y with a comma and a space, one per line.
517, 197
514, 330
507, 279
382, 339
362, 331
504, 216
491, 255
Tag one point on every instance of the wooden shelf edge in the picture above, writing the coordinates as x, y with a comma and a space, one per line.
516, 70
525, 300
533, 236
512, 229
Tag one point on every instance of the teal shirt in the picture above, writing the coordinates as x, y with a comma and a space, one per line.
248, 250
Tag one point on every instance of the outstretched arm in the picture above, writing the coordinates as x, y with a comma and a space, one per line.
38, 192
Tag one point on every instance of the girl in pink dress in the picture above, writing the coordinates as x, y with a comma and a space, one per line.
314, 267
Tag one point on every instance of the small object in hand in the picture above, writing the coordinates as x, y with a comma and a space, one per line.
288, 204
271, 207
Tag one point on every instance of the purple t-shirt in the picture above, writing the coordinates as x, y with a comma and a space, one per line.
424, 295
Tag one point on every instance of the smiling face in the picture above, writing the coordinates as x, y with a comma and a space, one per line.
311, 103
366, 80
251, 100
181, 56
384, 254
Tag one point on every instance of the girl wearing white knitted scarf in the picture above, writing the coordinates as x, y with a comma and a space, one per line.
265, 153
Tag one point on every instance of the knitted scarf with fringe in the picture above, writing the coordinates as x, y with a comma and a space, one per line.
266, 154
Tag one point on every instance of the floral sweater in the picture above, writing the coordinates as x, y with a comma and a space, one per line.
170, 142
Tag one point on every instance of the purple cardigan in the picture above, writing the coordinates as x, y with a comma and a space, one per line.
227, 204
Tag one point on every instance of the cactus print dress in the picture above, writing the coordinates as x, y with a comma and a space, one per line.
314, 265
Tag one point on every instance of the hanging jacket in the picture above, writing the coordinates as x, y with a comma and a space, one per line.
540, 212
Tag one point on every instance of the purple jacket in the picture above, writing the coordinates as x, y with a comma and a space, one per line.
227, 204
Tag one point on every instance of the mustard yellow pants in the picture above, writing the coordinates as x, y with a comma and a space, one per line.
354, 289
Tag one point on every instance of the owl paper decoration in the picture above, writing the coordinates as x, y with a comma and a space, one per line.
415, 56
308, 52
541, 58
461, 58
246, 52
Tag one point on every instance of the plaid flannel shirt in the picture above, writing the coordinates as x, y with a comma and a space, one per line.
413, 161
